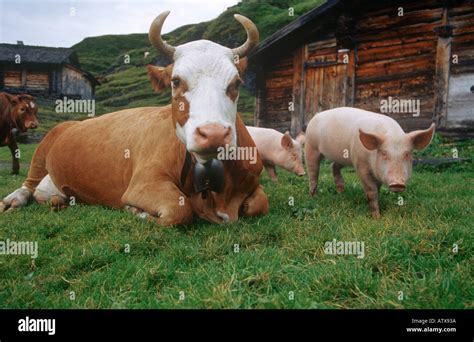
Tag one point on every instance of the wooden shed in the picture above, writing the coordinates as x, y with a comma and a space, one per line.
366, 54
43, 71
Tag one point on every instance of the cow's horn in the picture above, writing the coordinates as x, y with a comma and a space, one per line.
154, 35
252, 36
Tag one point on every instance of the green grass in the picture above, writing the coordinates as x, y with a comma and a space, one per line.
82, 249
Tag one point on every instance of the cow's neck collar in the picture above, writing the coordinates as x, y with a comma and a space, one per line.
206, 177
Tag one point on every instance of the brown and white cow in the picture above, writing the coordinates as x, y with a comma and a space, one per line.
17, 114
137, 158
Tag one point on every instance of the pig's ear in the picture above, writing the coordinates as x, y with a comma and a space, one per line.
422, 138
160, 77
301, 138
286, 141
369, 140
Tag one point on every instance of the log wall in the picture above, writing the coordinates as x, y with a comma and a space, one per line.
37, 80
75, 83
460, 111
277, 94
396, 57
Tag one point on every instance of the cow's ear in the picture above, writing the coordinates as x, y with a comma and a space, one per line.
242, 66
160, 77
14, 100
286, 141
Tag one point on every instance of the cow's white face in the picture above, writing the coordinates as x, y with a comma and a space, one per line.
205, 84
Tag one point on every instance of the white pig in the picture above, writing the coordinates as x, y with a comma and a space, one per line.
374, 144
278, 149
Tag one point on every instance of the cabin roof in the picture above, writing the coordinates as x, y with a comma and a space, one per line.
286, 33
38, 54
42, 55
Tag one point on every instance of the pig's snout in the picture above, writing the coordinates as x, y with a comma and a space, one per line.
396, 187
299, 170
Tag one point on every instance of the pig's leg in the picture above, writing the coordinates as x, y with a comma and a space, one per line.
313, 159
371, 188
336, 172
13, 150
271, 171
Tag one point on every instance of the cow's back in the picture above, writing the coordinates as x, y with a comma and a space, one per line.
95, 159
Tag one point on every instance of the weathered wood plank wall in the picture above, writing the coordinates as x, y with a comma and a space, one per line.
277, 93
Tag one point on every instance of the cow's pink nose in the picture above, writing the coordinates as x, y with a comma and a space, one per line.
211, 136
33, 125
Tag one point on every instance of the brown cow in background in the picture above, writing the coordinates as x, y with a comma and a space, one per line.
17, 114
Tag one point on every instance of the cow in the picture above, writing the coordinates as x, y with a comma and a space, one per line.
18, 113
160, 162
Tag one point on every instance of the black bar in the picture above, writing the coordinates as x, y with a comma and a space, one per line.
326, 325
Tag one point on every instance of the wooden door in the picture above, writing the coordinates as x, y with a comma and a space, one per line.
329, 79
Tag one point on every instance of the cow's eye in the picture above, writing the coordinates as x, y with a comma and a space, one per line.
175, 82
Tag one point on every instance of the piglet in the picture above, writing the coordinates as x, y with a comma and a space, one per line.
374, 144
278, 149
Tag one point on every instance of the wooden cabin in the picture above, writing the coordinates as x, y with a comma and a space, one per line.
44, 71
360, 53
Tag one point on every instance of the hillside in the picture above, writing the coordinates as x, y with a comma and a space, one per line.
127, 85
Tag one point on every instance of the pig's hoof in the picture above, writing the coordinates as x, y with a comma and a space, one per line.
340, 188
376, 215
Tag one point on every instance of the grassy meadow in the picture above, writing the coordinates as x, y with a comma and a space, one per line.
418, 255
94, 257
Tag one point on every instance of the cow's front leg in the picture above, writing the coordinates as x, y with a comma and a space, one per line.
14, 151
137, 211
161, 201
256, 204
